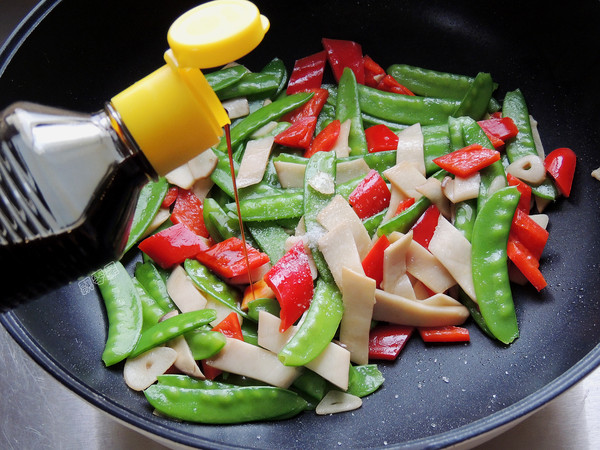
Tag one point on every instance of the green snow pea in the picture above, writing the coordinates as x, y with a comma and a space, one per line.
153, 282
321, 168
282, 204
364, 380
221, 406
476, 100
373, 222
464, 217
151, 310
257, 119
380, 161
489, 264
436, 142
123, 311
149, 201
185, 381
171, 328
347, 107
220, 79
270, 237
251, 84
205, 343
431, 83
269, 305
219, 224
318, 328
276, 67
312, 385
369, 121
213, 286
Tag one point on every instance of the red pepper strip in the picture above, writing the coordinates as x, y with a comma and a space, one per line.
560, 164
312, 108
424, 228
468, 160
404, 204
496, 115
526, 262
228, 259
343, 54
380, 138
448, 333
291, 280
173, 245
231, 328
524, 190
527, 231
307, 73
370, 196
502, 128
389, 84
373, 72
373, 262
387, 340
188, 211
171, 196
299, 134
325, 140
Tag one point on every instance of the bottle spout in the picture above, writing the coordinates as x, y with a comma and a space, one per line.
173, 114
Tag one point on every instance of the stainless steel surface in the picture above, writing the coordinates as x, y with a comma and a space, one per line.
37, 412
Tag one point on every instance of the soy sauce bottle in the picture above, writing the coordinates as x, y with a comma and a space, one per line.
69, 182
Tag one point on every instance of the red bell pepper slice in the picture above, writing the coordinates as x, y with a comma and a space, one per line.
173, 245
307, 73
311, 108
188, 211
325, 140
387, 340
449, 333
503, 128
404, 205
341, 54
380, 138
373, 262
527, 231
468, 160
425, 226
228, 259
370, 196
231, 328
373, 72
526, 262
299, 134
525, 191
560, 164
170, 197
291, 280
389, 84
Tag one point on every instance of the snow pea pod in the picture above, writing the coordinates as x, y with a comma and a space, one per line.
436, 142
220, 79
153, 282
259, 118
318, 328
270, 305
171, 328
151, 311
185, 381
123, 310
270, 237
312, 385
251, 84
204, 343
281, 205
364, 380
348, 108
476, 100
489, 263
221, 406
149, 201
276, 68
219, 225
431, 83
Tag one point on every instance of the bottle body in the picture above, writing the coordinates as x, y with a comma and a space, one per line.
68, 189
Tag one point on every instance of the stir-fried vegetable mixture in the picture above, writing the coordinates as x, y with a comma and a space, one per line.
386, 204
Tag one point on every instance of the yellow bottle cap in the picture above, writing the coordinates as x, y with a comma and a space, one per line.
173, 114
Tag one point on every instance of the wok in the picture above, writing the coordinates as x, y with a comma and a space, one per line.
77, 54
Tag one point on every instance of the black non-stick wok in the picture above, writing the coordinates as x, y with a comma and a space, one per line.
77, 54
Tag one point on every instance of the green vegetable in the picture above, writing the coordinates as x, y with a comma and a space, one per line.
220, 79
364, 380
269, 305
348, 108
152, 281
185, 381
204, 343
251, 84
476, 100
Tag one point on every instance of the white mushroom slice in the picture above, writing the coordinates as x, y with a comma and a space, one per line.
395, 279
341, 147
183, 291
596, 173
405, 176
323, 183
336, 402
541, 203
541, 219
221, 310
141, 372
339, 250
529, 168
358, 299
459, 189
425, 267
236, 107
264, 130
349, 170
291, 175
202, 186
333, 363
432, 189
421, 291
248, 360
185, 360
203, 165
161, 217
338, 211
181, 176
254, 162
453, 250
537, 140
435, 311
395, 199
410, 147
497, 183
